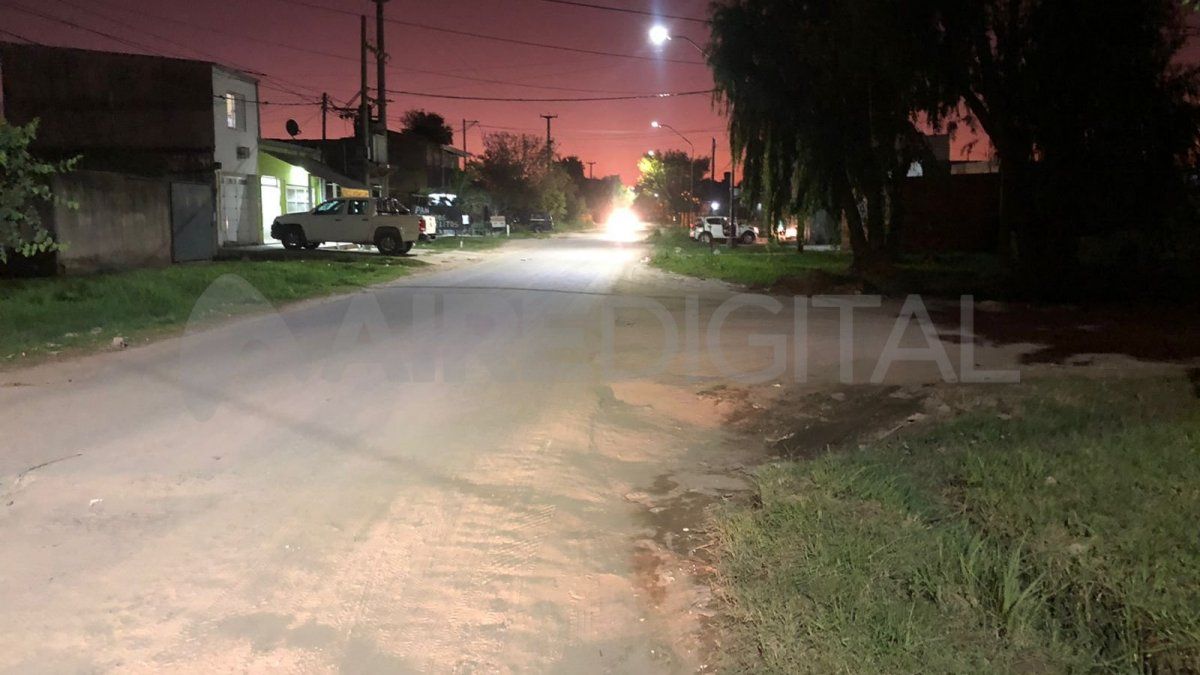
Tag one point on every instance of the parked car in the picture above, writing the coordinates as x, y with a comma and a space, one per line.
541, 222
383, 223
708, 228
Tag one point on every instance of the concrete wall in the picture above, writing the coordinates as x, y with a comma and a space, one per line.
122, 112
122, 222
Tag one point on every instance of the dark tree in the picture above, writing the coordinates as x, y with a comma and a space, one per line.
430, 126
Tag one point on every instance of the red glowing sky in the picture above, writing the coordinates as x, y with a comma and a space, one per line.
277, 39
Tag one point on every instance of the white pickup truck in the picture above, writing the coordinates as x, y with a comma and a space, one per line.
389, 227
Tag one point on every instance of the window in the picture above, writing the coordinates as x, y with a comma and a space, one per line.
358, 207
235, 111
297, 199
329, 208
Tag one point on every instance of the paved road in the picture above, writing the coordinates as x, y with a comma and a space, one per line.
441, 475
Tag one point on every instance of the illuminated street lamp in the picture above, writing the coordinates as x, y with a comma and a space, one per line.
659, 36
716, 206
691, 161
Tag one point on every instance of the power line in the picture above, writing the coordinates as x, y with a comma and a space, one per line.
331, 55
503, 99
126, 42
291, 87
625, 10
19, 37
495, 38
305, 104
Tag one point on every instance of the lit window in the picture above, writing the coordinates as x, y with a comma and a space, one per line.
297, 199
235, 111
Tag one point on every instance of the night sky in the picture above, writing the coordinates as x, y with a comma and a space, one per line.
255, 35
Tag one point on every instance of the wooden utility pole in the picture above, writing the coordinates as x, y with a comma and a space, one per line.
364, 107
549, 141
591, 170
713, 160
733, 201
466, 125
381, 86
324, 123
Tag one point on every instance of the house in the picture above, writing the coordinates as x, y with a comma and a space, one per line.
292, 178
416, 165
420, 166
177, 140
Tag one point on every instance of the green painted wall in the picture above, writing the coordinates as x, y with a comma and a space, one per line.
269, 165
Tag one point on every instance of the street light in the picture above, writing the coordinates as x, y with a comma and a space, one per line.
659, 36
691, 161
716, 206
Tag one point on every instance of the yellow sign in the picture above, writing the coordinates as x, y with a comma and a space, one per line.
352, 192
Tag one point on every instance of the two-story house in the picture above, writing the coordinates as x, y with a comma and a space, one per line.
168, 150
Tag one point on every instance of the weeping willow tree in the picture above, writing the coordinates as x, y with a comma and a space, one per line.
822, 98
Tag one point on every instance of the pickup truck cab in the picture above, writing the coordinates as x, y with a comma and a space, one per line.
709, 228
380, 222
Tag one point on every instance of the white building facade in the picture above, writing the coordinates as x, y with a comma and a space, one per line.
236, 135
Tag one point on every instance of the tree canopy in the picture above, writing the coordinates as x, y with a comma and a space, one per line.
1087, 106
428, 125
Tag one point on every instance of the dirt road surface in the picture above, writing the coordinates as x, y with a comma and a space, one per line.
481, 469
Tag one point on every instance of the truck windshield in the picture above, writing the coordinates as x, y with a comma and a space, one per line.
329, 207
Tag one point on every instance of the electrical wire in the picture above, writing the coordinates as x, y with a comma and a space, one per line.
495, 38
265, 80
504, 99
22, 38
142, 47
625, 10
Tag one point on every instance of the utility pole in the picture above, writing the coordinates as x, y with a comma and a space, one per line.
381, 57
733, 208
549, 141
466, 124
591, 170
713, 160
324, 115
364, 107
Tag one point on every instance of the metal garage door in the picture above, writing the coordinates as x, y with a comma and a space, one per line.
193, 235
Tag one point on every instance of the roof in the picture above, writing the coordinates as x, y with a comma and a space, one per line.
450, 149
314, 167
138, 55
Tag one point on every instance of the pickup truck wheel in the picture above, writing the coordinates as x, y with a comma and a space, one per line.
293, 238
748, 238
706, 237
389, 243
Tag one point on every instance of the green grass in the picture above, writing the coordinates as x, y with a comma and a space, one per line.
773, 265
758, 266
1060, 536
39, 317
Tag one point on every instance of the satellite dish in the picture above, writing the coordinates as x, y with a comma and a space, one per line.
292, 128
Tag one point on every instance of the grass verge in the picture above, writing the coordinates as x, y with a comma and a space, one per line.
42, 317
1059, 536
780, 267
758, 266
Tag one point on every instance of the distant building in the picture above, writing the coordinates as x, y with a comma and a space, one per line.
415, 164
